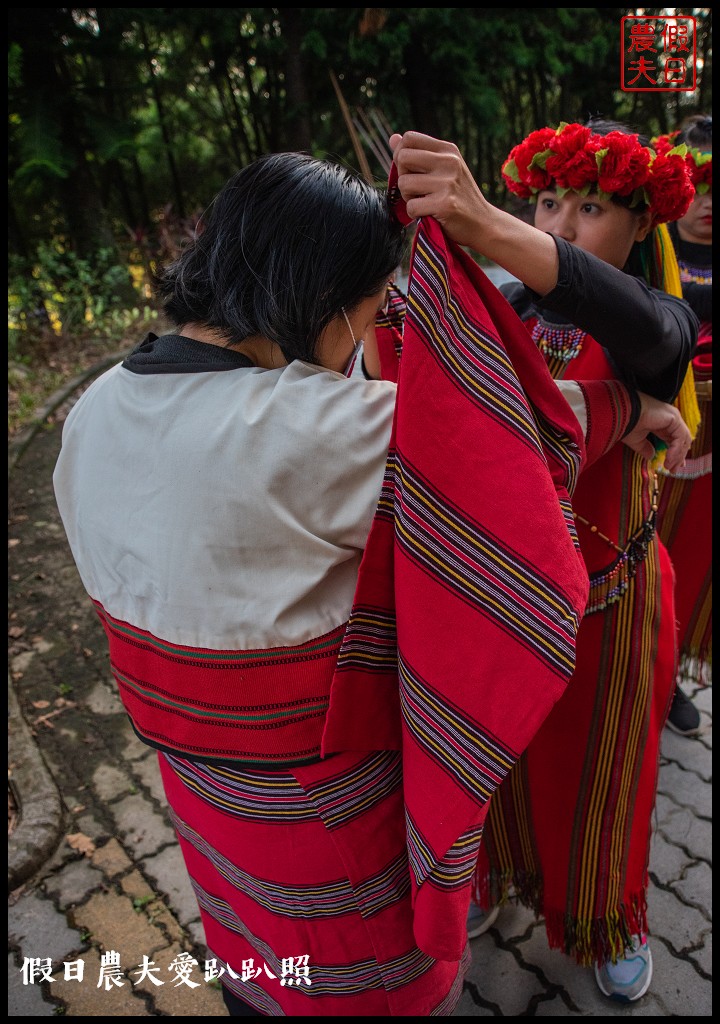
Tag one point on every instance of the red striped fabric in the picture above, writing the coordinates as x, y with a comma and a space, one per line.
685, 526
254, 706
457, 656
570, 830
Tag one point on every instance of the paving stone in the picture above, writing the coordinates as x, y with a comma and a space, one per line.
114, 924
39, 930
147, 770
111, 859
702, 699
90, 826
136, 887
73, 883
467, 1007
686, 789
689, 832
86, 999
168, 871
25, 1000
696, 887
109, 782
668, 861
140, 825
164, 919
677, 986
702, 958
680, 925
495, 973
197, 933
104, 700
133, 748
683, 749
179, 999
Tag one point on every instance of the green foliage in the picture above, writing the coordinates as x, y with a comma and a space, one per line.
142, 901
42, 155
118, 114
76, 292
14, 65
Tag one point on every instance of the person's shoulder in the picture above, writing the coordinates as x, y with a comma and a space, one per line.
330, 396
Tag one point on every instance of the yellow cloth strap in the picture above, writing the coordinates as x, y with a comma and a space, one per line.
667, 264
668, 271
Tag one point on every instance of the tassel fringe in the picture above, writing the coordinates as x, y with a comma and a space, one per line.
696, 667
586, 941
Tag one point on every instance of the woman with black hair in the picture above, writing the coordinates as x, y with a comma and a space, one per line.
685, 510
569, 829
323, 593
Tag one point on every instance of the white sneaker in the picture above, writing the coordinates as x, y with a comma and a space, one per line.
479, 920
629, 978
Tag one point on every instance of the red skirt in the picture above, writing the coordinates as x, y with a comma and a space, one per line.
570, 828
685, 526
303, 885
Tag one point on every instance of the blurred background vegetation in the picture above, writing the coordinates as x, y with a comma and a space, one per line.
124, 122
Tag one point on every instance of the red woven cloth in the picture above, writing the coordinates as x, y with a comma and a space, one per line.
457, 656
686, 527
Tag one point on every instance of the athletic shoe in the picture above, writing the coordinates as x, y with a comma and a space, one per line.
628, 979
684, 717
479, 920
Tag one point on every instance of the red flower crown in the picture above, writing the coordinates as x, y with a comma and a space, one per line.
699, 161
572, 158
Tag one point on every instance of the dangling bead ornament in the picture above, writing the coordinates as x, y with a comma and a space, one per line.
563, 343
609, 586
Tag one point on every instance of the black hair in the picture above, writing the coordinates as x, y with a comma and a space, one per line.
696, 131
287, 244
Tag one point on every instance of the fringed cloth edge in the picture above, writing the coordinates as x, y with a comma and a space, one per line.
587, 941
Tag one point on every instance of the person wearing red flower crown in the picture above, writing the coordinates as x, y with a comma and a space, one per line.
570, 827
685, 509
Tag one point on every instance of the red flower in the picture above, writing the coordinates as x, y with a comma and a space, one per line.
663, 143
518, 187
669, 187
625, 166
572, 162
533, 178
700, 173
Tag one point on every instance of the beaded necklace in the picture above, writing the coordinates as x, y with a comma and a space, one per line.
563, 343
697, 275
608, 586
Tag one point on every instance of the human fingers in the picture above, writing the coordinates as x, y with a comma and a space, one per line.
678, 440
418, 140
665, 423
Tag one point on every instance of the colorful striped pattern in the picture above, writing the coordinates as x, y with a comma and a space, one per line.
581, 860
271, 888
487, 586
455, 870
469, 560
685, 527
370, 641
475, 760
185, 700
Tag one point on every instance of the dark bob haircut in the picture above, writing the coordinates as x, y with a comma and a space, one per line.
697, 131
287, 243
